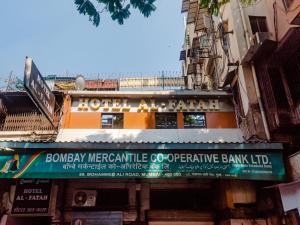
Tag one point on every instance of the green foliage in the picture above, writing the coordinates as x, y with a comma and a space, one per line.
118, 9
214, 5
19, 85
87, 8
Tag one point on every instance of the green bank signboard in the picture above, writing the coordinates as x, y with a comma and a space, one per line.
142, 164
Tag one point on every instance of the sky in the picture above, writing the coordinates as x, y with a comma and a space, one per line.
61, 41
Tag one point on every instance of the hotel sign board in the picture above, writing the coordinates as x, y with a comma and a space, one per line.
151, 105
143, 164
38, 89
32, 197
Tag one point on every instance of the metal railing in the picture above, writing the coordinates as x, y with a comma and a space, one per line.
26, 122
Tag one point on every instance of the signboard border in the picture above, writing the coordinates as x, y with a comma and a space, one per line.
27, 74
51, 197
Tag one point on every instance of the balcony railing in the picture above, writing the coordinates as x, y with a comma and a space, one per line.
26, 122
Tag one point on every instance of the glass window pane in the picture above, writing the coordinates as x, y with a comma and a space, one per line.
118, 121
112, 121
166, 120
194, 120
258, 24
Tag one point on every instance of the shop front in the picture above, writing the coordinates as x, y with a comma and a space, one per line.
133, 183
152, 157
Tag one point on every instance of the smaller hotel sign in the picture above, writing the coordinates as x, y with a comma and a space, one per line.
32, 197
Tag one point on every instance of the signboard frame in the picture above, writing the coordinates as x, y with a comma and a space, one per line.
68, 164
38, 90
31, 183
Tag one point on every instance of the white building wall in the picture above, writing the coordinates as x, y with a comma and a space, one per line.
290, 196
237, 46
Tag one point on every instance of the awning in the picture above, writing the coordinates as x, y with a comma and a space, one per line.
10, 146
196, 136
287, 47
258, 50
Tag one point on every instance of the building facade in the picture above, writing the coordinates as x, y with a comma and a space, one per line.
156, 157
254, 51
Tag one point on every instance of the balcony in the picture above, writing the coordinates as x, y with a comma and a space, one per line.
21, 120
26, 127
261, 44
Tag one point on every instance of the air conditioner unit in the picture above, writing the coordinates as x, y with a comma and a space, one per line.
84, 198
260, 37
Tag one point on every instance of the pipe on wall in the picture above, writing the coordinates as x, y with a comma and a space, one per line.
257, 91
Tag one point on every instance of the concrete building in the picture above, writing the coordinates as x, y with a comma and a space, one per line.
255, 54
156, 157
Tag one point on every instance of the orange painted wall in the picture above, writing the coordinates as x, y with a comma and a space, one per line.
66, 112
85, 120
220, 120
140, 120
180, 123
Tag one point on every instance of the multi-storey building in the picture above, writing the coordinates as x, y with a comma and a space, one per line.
151, 157
274, 54
254, 52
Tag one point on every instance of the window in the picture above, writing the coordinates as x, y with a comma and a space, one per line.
112, 121
278, 88
166, 120
194, 120
292, 75
258, 24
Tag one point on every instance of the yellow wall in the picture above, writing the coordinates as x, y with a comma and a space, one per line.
66, 112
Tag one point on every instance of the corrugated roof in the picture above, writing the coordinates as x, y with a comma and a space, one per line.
30, 136
144, 94
151, 135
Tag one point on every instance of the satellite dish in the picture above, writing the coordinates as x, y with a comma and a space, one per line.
79, 83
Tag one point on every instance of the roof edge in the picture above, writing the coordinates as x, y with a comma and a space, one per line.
138, 146
140, 94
